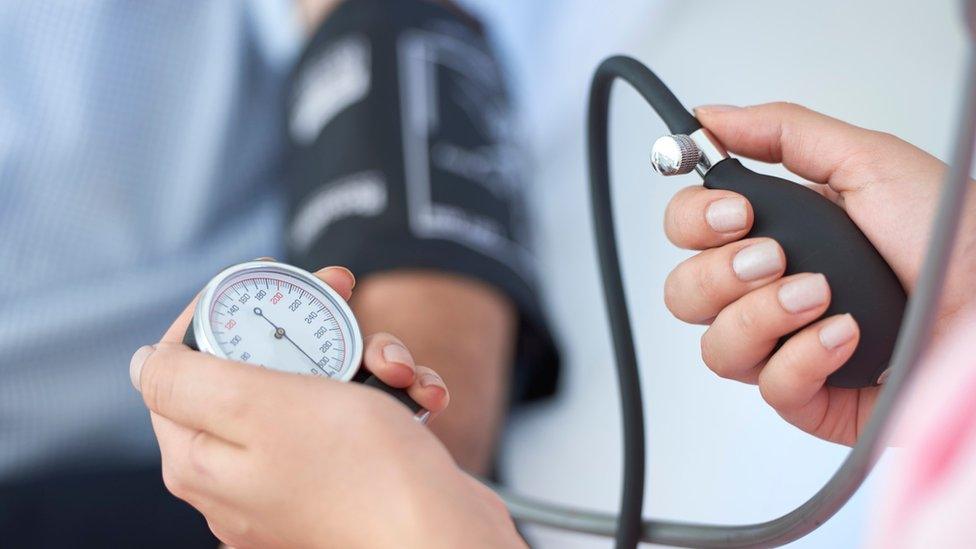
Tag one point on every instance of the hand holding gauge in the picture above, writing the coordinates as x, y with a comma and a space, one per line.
278, 460
283, 318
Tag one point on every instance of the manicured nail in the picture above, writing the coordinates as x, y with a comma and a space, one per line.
347, 271
716, 108
884, 376
135, 365
727, 215
397, 354
838, 332
805, 293
427, 379
758, 261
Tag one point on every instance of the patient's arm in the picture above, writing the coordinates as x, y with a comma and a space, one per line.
463, 329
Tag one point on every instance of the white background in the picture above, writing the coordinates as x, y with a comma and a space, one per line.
716, 452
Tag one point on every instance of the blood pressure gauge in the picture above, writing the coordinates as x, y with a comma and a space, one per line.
284, 318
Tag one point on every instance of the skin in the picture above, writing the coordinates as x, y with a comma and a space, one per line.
887, 186
274, 459
313, 12
463, 328
466, 331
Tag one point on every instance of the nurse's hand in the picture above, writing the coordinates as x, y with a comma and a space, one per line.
274, 459
736, 285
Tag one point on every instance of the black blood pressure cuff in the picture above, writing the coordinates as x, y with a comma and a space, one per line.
403, 156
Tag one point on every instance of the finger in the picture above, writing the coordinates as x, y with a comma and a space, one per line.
699, 218
811, 145
340, 279
196, 465
200, 391
746, 331
389, 360
429, 391
231, 527
701, 286
177, 330
795, 374
793, 380
170, 435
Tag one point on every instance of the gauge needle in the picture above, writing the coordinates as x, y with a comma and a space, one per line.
280, 333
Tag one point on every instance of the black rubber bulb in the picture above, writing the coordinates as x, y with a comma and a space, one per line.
818, 237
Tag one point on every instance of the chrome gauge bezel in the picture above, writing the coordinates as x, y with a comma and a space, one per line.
206, 340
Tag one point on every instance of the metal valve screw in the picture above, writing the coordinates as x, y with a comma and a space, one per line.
675, 155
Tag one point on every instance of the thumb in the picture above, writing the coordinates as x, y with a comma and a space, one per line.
814, 146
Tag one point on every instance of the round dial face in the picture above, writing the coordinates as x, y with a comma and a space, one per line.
280, 317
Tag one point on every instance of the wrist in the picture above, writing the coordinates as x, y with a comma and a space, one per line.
464, 513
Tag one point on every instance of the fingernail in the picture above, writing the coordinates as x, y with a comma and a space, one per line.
727, 215
397, 354
135, 365
838, 332
348, 273
716, 108
758, 261
427, 379
265, 258
804, 293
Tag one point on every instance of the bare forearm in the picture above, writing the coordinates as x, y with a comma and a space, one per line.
462, 328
